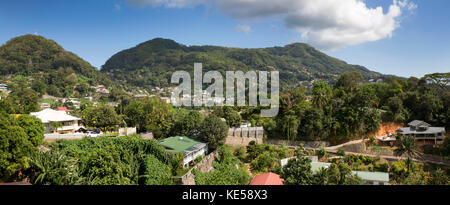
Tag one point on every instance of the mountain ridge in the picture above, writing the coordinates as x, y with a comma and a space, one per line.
151, 63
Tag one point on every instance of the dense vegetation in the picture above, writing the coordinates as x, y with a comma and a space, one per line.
46, 67
153, 62
350, 109
228, 170
18, 138
102, 161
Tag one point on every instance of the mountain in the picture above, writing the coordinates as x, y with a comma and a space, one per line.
51, 68
153, 62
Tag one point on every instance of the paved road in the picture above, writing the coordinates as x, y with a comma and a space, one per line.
425, 158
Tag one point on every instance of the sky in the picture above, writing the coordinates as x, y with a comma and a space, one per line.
399, 37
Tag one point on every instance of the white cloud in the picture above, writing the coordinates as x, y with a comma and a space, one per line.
326, 24
166, 3
243, 28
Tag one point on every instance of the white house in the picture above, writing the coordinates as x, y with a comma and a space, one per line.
189, 148
48, 116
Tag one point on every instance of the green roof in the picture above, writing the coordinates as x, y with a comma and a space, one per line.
181, 144
372, 176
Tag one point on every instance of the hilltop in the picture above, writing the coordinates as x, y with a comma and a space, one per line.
47, 66
151, 63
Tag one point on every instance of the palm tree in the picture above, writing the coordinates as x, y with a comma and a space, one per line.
407, 147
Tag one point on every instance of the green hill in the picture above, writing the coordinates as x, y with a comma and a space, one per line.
51, 69
153, 62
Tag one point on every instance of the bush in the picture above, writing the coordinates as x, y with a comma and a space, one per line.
228, 170
340, 152
321, 152
198, 159
381, 167
154, 172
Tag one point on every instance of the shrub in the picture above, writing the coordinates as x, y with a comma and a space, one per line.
198, 159
340, 152
381, 167
321, 152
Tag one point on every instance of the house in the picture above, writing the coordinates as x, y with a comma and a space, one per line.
45, 105
423, 131
100, 89
48, 116
267, 179
372, 178
3, 87
189, 148
63, 109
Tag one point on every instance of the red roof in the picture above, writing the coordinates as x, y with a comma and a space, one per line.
63, 109
267, 179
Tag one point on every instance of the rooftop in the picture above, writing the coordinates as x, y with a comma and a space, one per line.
267, 179
372, 176
49, 115
181, 144
430, 130
418, 123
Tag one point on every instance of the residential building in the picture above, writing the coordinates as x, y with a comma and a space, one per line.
423, 131
372, 178
267, 179
3, 87
45, 105
63, 109
48, 116
188, 147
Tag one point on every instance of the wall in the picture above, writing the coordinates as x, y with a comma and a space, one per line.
308, 144
127, 131
243, 136
76, 136
204, 166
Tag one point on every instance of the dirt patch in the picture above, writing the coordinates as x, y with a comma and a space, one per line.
386, 128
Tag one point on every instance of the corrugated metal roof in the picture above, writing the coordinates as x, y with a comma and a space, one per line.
267, 179
373, 176
430, 130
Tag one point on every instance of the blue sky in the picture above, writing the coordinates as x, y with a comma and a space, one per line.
95, 30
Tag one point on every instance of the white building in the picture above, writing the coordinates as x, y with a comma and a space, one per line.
48, 116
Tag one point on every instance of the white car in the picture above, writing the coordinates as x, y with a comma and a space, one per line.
92, 134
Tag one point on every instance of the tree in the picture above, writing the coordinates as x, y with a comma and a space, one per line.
15, 147
322, 94
101, 116
297, 172
52, 167
407, 147
24, 100
341, 174
150, 114
232, 117
154, 172
213, 131
349, 80
188, 125
289, 126
33, 127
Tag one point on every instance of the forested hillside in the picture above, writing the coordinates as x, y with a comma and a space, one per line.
47, 67
153, 62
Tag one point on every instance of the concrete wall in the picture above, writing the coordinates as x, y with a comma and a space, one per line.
127, 131
77, 136
204, 166
309, 144
243, 136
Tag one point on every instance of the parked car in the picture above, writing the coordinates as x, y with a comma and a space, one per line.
93, 134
